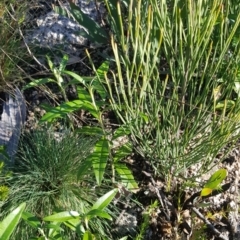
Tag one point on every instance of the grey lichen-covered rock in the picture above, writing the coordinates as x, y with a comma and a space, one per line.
58, 32
12, 119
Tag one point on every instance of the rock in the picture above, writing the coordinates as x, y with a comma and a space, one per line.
12, 120
61, 33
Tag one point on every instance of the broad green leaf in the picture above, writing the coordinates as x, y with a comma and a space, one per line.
54, 226
72, 224
126, 177
2, 152
87, 236
46, 107
115, 20
103, 69
237, 88
30, 219
206, 191
61, 11
63, 63
122, 152
54, 229
88, 106
103, 201
50, 63
95, 32
121, 131
144, 117
38, 82
86, 99
95, 131
69, 107
78, 78
98, 86
62, 216
98, 213
216, 179
10, 222
80, 229
228, 104
99, 158
57, 236
124, 238
83, 95
61, 110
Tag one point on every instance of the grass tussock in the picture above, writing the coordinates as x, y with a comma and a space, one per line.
45, 177
177, 67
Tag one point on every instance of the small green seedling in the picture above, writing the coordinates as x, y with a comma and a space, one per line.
214, 182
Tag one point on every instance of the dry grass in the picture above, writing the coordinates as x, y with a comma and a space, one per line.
12, 15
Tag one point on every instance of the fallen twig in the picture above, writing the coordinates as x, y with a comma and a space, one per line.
213, 229
166, 205
29, 51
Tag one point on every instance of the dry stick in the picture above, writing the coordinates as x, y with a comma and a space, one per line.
162, 198
213, 229
29, 51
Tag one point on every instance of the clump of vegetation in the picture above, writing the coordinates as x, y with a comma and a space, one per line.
45, 177
51, 227
170, 85
174, 87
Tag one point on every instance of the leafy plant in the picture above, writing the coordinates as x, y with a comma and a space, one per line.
57, 73
75, 221
92, 98
104, 151
45, 177
51, 227
85, 94
214, 182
